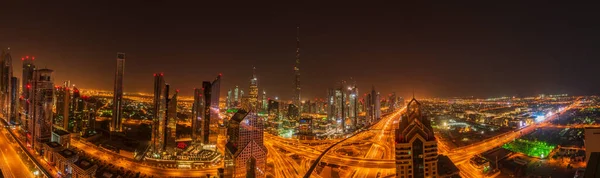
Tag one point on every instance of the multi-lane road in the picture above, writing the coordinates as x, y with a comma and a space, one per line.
10, 163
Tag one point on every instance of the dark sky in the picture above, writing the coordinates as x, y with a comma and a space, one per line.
437, 49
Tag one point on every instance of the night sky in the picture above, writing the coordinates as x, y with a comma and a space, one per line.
474, 49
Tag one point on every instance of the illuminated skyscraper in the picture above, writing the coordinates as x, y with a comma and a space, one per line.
14, 100
416, 146
296, 99
245, 153
6, 74
228, 100
253, 92
373, 106
116, 125
353, 105
265, 103
89, 115
197, 114
76, 111
63, 106
42, 100
172, 122
26, 81
211, 110
158, 119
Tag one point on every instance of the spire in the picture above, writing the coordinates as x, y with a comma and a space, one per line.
413, 93
297, 89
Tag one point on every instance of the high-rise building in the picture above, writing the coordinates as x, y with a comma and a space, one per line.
245, 153
337, 111
197, 114
26, 85
205, 120
116, 125
63, 106
236, 97
353, 106
76, 111
42, 99
211, 110
172, 122
6, 74
89, 115
228, 100
253, 92
416, 146
373, 106
14, 100
158, 119
264, 102
296, 99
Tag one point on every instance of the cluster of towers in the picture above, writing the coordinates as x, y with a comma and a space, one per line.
236, 98
30, 104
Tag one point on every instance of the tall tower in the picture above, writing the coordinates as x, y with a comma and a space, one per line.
265, 103
63, 100
118, 94
197, 114
158, 119
296, 98
42, 99
171, 122
253, 91
5, 82
211, 110
14, 100
27, 80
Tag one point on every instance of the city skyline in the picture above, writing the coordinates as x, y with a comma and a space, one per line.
438, 50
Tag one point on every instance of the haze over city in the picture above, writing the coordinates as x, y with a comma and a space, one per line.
440, 49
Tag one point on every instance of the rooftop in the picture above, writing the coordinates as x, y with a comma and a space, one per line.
67, 153
60, 132
84, 163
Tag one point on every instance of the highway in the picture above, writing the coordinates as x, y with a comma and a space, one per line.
11, 164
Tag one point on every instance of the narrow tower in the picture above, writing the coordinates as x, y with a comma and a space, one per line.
296, 99
118, 93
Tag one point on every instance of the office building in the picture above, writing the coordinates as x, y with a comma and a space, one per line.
245, 153
26, 81
76, 111
228, 100
416, 145
14, 101
373, 106
211, 111
158, 119
171, 123
42, 100
353, 106
116, 125
63, 106
337, 111
197, 114
253, 92
89, 115
6, 75
264, 102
